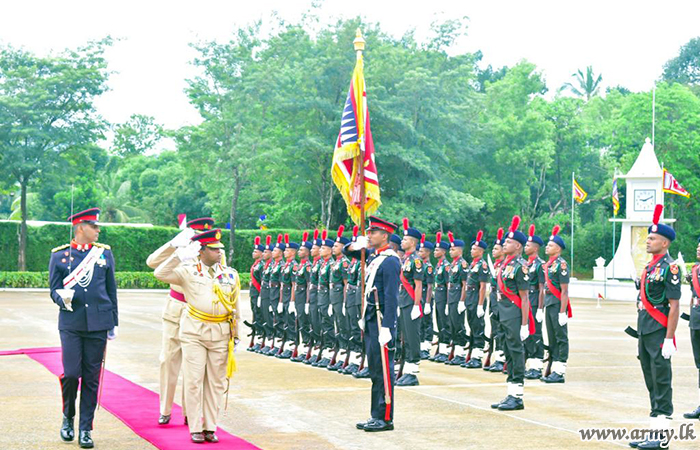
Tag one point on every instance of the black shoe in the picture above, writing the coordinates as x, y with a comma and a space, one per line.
323, 363
424, 354
351, 369
378, 425
533, 374
197, 438
693, 415
85, 440
210, 436
456, 361
263, 350
511, 404
164, 419
361, 425
338, 365
284, 355
311, 359
440, 358
474, 363
364, 373
647, 445
67, 430
256, 347
496, 405
408, 379
496, 367
553, 378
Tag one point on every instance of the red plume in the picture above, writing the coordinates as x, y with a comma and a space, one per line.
450, 236
257, 240
499, 234
279, 238
315, 234
479, 235
286, 239
532, 230
515, 223
555, 230
268, 240
324, 235
422, 238
355, 231
438, 237
405, 223
305, 236
657, 214
340, 230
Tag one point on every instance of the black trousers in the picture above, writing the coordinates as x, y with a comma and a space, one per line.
534, 345
439, 305
278, 318
288, 320
327, 328
695, 340
426, 322
257, 317
497, 336
352, 316
557, 335
268, 320
314, 317
82, 353
477, 325
410, 330
458, 334
657, 373
379, 409
514, 350
303, 321
340, 323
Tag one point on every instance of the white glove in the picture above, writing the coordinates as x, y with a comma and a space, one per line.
259, 302
330, 310
280, 307
112, 334
344, 310
415, 312
447, 310
360, 243
668, 349
563, 319
183, 238
188, 252
306, 308
524, 332
398, 312
271, 310
480, 311
384, 336
461, 307
428, 309
539, 316
292, 308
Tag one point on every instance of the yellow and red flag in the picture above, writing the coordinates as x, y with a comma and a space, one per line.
354, 134
579, 194
672, 186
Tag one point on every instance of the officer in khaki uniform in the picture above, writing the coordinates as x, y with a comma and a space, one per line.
171, 351
209, 329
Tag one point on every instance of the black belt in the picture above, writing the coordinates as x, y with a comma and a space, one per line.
274, 284
471, 288
323, 288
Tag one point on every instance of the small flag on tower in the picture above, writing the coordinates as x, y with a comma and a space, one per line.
615, 198
579, 194
672, 186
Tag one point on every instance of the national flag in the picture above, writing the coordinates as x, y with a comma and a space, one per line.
615, 198
672, 186
579, 194
354, 133
600, 296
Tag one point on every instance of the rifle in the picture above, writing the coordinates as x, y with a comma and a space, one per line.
252, 334
403, 357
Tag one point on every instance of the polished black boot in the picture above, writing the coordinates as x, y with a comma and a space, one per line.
364, 373
85, 439
67, 430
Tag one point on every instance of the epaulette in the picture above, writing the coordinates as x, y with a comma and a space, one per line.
60, 247
104, 246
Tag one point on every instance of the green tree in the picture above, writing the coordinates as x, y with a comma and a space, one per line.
684, 68
136, 136
587, 85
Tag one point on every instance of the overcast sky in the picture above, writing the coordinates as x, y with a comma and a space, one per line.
627, 41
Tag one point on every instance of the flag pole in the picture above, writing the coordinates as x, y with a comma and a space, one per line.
572, 223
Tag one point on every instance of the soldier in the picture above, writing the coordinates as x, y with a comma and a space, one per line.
534, 345
555, 277
456, 297
81, 278
209, 330
324, 301
312, 303
256, 271
657, 319
496, 344
300, 298
694, 280
276, 297
339, 276
287, 314
396, 246
442, 274
478, 279
353, 303
382, 285
410, 309
171, 351
426, 325
514, 314
268, 334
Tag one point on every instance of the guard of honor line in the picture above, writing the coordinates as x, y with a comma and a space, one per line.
307, 306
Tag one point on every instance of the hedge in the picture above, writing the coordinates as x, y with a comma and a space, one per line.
130, 245
125, 280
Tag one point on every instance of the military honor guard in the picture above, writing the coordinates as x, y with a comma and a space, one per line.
300, 298
338, 280
694, 280
534, 345
442, 274
209, 330
171, 351
514, 314
327, 340
426, 325
410, 296
256, 271
276, 297
288, 314
268, 331
657, 319
477, 281
311, 307
495, 360
378, 319
353, 304
82, 284
456, 298
555, 277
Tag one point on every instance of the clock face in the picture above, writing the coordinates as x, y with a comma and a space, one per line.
644, 199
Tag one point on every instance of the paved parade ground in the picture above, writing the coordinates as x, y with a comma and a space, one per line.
276, 404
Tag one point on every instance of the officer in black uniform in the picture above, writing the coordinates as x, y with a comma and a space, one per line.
276, 297
339, 277
256, 271
442, 274
81, 278
426, 325
657, 319
353, 304
288, 314
694, 280
456, 298
534, 345
324, 303
302, 280
478, 279
396, 246
382, 284
514, 314
312, 304
496, 358
268, 330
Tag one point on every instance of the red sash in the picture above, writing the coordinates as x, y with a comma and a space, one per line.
177, 295
553, 289
653, 312
513, 297
255, 282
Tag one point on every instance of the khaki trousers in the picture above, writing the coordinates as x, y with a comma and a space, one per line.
171, 356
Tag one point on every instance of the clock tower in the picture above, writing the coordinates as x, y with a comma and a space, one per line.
644, 190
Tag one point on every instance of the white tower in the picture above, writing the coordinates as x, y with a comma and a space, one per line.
644, 191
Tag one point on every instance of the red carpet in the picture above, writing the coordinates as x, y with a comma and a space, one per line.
137, 407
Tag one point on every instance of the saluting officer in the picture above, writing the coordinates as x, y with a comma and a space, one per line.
81, 278
534, 345
477, 281
442, 274
426, 324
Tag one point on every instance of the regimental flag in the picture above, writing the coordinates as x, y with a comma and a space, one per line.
579, 194
182, 221
672, 186
615, 198
354, 133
